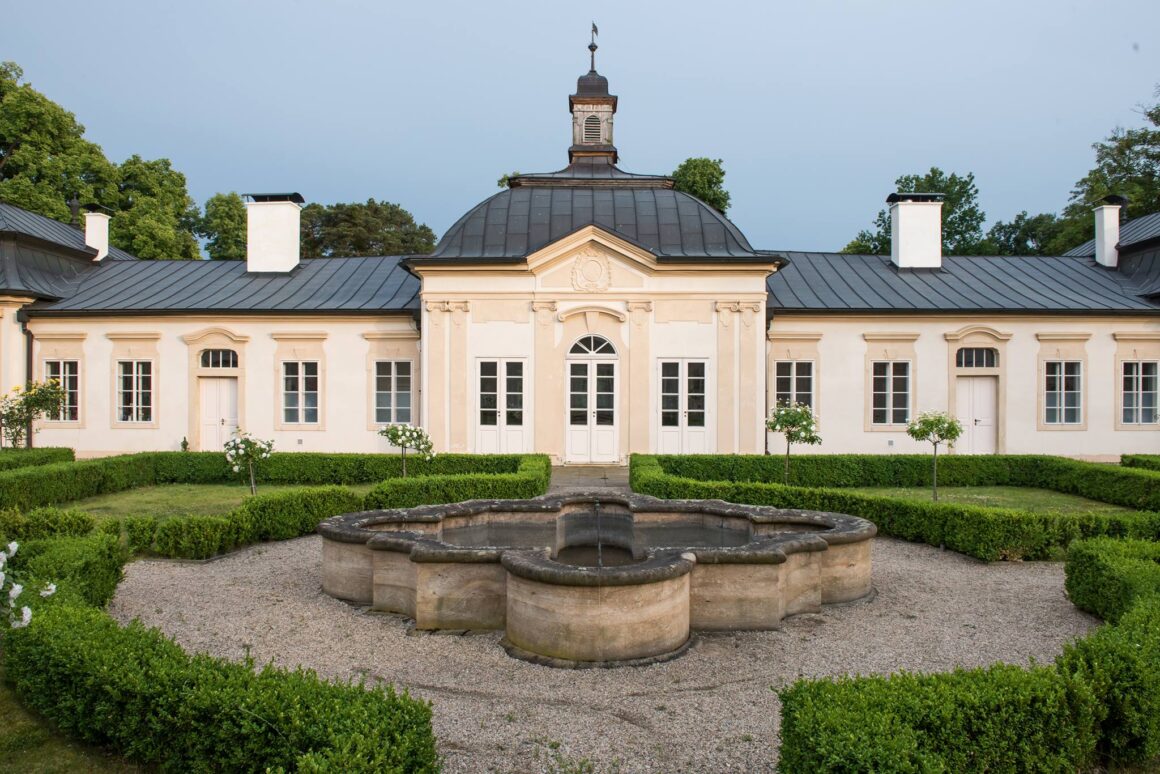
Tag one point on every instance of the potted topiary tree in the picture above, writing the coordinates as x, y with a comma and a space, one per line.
935, 427
409, 437
797, 422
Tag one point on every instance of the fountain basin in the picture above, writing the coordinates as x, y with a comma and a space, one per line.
535, 569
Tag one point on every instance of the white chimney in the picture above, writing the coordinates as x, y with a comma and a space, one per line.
97, 233
916, 230
273, 243
1108, 231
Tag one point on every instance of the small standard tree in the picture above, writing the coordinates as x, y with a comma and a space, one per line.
797, 422
409, 437
24, 405
935, 427
245, 454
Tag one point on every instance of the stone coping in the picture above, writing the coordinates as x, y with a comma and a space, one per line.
373, 529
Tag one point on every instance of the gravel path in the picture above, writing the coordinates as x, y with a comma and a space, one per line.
711, 709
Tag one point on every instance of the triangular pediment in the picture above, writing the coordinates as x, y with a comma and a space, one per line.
592, 259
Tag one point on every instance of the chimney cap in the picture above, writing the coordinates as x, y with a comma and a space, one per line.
914, 197
1118, 201
97, 208
275, 197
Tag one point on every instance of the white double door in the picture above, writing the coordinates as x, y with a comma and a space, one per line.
977, 403
593, 424
502, 422
219, 411
684, 410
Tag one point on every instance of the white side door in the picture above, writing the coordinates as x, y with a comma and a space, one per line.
684, 408
593, 427
501, 419
976, 399
219, 411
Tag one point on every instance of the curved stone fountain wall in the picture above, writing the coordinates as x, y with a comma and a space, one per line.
596, 579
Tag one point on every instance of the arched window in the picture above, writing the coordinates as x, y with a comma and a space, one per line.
219, 358
593, 345
977, 357
592, 130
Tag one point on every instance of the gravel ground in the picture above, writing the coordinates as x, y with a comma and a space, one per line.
710, 710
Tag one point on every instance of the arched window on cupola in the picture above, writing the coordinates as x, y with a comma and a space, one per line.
592, 130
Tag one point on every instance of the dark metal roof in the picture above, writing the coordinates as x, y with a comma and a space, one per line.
15, 220
592, 84
1134, 232
28, 269
595, 171
340, 285
835, 282
521, 220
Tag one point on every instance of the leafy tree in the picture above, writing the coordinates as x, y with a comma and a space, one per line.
224, 227
797, 422
44, 158
703, 178
245, 455
24, 405
504, 180
962, 218
1024, 235
374, 228
409, 437
45, 161
935, 427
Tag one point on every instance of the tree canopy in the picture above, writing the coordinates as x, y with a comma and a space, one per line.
374, 228
962, 218
224, 227
704, 178
45, 160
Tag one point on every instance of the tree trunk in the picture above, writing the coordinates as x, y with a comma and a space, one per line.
787, 463
403, 449
253, 481
934, 472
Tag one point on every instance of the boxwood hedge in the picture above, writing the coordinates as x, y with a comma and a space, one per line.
1146, 461
529, 479
11, 459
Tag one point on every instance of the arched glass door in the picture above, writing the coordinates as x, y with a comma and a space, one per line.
593, 424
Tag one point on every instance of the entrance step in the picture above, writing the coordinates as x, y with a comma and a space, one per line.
575, 477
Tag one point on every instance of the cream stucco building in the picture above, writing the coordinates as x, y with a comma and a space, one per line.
589, 314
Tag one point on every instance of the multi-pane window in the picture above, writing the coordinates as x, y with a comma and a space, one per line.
977, 357
1140, 389
501, 399
891, 392
219, 358
67, 374
393, 392
300, 392
135, 390
1063, 392
794, 382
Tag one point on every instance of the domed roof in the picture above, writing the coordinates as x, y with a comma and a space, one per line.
521, 220
592, 84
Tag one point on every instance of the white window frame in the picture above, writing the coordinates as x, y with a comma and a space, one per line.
890, 393
1137, 392
393, 409
72, 399
503, 396
301, 392
794, 395
142, 405
1061, 392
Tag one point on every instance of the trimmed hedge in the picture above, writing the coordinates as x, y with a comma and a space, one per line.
1108, 577
1004, 718
193, 537
89, 567
45, 522
1126, 486
27, 488
529, 480
10, 459
1146, 461
135, 691
985, 533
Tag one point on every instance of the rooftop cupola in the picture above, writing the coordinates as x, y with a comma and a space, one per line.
592, 110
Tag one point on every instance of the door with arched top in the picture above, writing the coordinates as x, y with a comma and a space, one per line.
592, 415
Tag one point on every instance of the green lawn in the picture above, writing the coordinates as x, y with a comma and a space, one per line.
169, 500
1038, 500
28, 744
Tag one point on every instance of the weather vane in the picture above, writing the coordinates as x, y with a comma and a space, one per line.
592, 45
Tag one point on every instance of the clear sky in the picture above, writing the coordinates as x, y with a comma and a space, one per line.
815, 107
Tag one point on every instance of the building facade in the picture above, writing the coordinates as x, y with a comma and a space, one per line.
587, 313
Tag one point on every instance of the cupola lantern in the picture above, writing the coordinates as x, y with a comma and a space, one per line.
592, 111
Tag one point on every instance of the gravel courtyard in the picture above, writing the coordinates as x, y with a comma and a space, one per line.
710, 710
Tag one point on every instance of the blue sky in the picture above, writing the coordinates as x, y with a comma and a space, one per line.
815, 107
